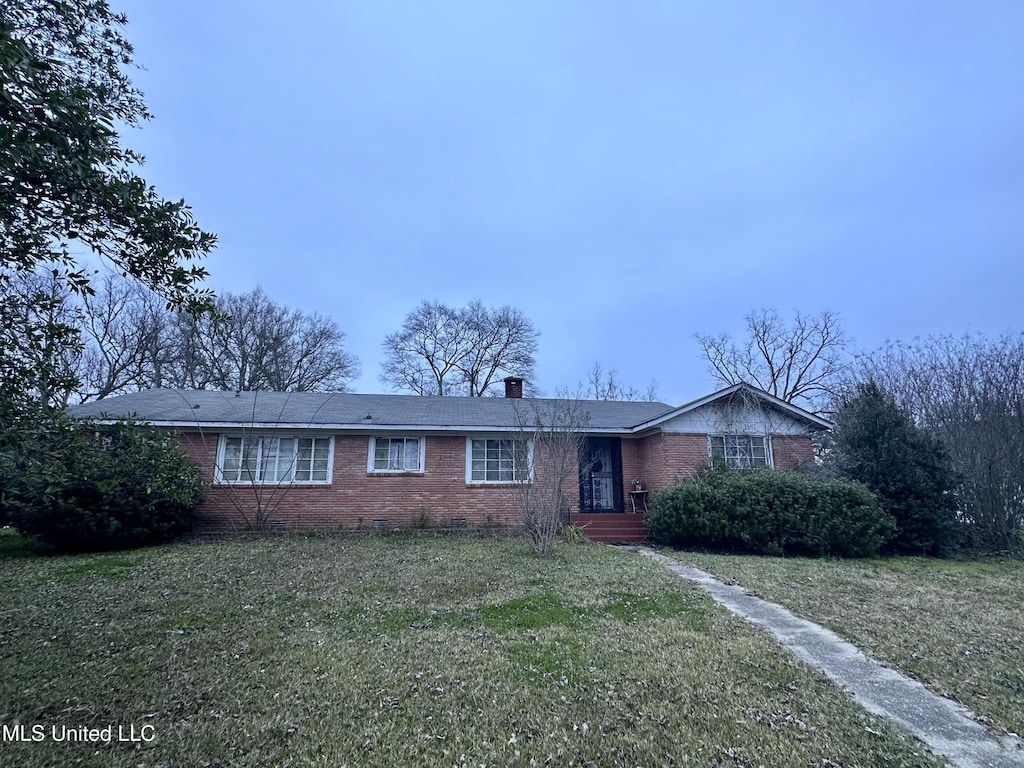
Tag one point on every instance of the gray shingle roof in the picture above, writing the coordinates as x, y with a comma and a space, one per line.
195, 408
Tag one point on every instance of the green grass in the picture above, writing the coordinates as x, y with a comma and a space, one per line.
401, 651
13, 545
957, 626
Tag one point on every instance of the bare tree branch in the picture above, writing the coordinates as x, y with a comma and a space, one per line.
969, 392
553, 432
254, 343
442, 350
602, 385
799, 363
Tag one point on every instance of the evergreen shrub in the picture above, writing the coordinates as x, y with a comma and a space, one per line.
771, 512
87, 487
878, 444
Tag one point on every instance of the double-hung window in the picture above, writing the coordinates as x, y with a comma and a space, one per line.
396, 454
274, 459
739, 451
498, 460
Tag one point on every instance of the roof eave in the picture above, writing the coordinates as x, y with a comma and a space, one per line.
234, 426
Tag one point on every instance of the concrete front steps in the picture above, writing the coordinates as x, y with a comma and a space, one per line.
612, 527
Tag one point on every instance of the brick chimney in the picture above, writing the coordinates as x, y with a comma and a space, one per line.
513, 387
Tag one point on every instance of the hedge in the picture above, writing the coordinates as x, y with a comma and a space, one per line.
771, 513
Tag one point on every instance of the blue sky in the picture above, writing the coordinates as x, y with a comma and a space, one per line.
626, 174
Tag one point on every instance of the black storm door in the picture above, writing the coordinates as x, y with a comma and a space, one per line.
601, 475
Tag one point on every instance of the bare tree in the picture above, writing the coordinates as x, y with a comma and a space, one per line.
442, 350
969, 392
423, 355
41, 344
799, 362
550, 436
254, 343
125, 339
124, 328
605, 385
113, 333
500, 342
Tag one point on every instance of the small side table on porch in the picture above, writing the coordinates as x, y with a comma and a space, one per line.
638, 499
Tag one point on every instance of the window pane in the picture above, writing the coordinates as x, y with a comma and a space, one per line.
717, 449
267, 457
250, 460
303, 460
478, 460
738, 451
286, 450
395, 455
321, 459
497, 461
759, 452
232, 464
412, 454
381, 450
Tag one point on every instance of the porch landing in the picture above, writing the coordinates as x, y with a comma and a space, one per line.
612, 527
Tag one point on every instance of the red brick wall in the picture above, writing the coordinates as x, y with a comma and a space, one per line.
439, 494
634, 467
673, 457
356, 497
790, 451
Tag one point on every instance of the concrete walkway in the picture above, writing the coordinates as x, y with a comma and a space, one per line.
947, 727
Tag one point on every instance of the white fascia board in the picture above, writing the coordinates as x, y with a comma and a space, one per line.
788, 408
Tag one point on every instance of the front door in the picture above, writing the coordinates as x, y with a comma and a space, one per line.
601, 475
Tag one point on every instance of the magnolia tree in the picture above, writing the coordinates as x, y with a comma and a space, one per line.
68, 186
82, 486
550, 436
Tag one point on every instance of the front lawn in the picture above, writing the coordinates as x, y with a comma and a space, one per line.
957, 626
404, 652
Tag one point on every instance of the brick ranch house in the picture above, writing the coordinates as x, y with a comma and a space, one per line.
337, 461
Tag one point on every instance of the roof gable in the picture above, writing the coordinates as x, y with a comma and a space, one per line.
743, 394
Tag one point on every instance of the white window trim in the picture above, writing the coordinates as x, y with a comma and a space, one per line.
469, 460
218, 473
768, 448
373, 446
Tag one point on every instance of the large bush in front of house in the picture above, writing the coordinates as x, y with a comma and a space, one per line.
76, 486
877, 443
771, 512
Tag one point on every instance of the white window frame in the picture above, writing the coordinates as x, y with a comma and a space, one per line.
243, 477
516, 477
733, 461
421, 455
